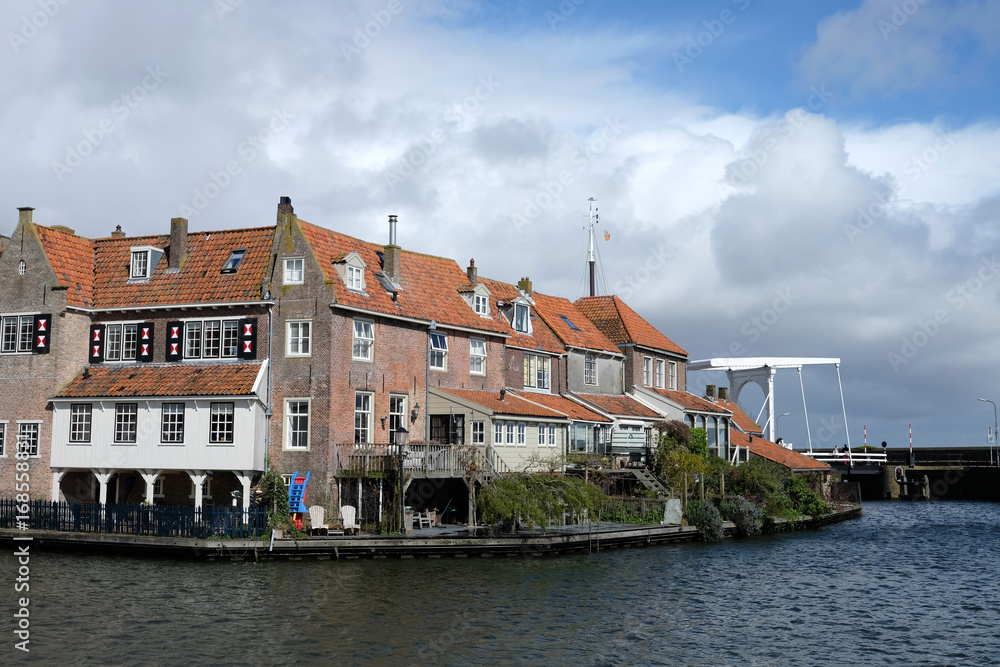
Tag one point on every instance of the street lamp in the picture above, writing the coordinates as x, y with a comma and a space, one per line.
986, 400
764, 427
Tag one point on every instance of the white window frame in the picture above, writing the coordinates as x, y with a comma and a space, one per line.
3, 438
363, 412
287, 479
478, 432
222, 423
298, 338
537, 373
158, 487
541, 434
481, 304
659, 373
522, 434
438, 355
553, 441
206, 489
295, 270
477, 358
355, 280
590, 368
139, 265
510, 432
293, 423
647, 371
397, 414
174, 427
498, 432
521, 325
36, 451
672, 367
126, 423
81, 431
363, 346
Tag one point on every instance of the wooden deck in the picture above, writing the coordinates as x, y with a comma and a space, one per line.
419, 461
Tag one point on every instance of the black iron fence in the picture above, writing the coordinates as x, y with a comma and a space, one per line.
120, 519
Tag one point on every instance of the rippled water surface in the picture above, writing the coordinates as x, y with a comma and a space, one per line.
905, 584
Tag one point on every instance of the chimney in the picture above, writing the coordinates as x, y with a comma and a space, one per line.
524, 284
118, 233
723, 393
284, 209
24, 214
393, 253
471, 272
178, 242
710, 391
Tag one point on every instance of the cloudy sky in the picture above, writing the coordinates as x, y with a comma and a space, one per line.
783, 178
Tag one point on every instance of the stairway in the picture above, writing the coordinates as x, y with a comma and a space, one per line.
650, 481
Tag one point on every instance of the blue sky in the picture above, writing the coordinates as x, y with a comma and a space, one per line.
843, 156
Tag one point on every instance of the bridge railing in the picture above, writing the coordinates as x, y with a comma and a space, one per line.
844, 458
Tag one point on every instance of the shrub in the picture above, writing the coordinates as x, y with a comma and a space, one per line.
779, 505
705, 516
804, 499
747, 516
757, 478
536, 500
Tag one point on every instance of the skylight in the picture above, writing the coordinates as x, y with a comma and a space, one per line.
234, 261
571, 325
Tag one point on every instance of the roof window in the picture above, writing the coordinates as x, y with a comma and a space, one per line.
567, 321
234, 260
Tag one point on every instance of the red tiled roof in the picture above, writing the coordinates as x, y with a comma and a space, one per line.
562, 404
554, 309
72, 259
620, 406
623, 325
428, 284
200, 279
741, 419
511, 405
541, 336
174, 380
690, 401
772, 452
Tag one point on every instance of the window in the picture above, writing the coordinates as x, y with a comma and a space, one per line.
17, 334
510, 432
448, 429
21, 268
140, 264
521, 318
298, 338
192, 340
294, 271
477, 356
172, 422
209, 339
120, 342
673, 375
362, 417
478, 432
481, 304
397, 416
536, 371
552, 435
126, 421
364, 340
659, 373
230, 338
25, 334
79, 422
542, 430
647, 371
222, 423
355, 278
158, 487
296, 423
522, 434
206, 489
3, 438
234, 261
27, 437
590, 368
498, 433
439, 351
569, 323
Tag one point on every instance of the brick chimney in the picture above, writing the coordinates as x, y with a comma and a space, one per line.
118, 233
284, 209
178, 242
24, 214
710, 391
524, 284
723, 393
393, 253
471, 272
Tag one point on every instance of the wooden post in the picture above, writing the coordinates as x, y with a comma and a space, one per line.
701, 486
685, 493
722, 486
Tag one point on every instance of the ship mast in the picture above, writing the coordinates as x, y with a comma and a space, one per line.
594, 219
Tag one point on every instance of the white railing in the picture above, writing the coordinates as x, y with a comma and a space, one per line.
847, 458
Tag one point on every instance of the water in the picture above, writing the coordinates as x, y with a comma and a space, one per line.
909, 583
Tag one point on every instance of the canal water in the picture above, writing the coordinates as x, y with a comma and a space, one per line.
907, 584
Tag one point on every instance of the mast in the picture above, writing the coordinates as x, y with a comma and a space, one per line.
594, 219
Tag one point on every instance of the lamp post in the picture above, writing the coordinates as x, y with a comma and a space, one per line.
986, 400
764, 427
400, 437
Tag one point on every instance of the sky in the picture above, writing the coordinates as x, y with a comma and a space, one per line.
777, 179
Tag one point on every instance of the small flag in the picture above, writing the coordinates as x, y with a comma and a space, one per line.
607, 236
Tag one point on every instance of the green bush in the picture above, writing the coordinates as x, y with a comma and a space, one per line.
780, 506
536, 500
705, 516
748, 517
804, 499
757, 478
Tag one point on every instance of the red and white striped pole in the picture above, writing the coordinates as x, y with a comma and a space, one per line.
866, 437
912, 462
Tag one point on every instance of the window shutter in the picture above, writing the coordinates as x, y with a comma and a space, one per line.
248, 338
145, 342
41, 339
96, 343
174, 351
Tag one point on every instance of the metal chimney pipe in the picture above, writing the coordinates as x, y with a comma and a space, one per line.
392, 230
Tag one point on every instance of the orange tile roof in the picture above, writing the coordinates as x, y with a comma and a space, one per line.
620, 406
553, 309
689, 401
511, 405
741, 419
541, 336
72, 259
623, 325
772, 452
564, 405
428, 284
199, 280
174, 380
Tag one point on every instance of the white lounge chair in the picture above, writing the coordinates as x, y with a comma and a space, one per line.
347, 516
317, 519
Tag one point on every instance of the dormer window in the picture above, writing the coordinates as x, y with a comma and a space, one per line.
144, 259
351, 269
521, 318
355, 278
234, 261
481, 305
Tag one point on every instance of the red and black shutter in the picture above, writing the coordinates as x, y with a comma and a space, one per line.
174, 341
248, 339
41, 340
96, 343
145, 342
